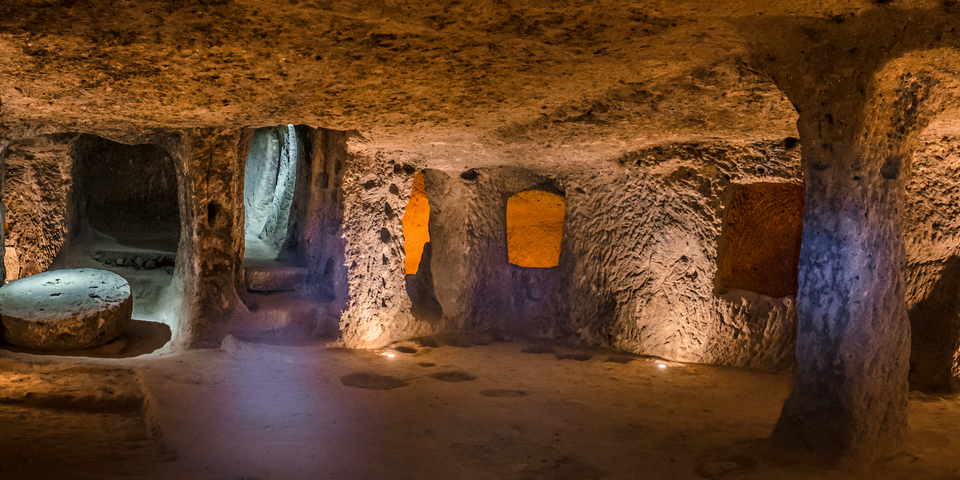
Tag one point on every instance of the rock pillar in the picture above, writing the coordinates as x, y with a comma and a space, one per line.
209, 259
849, 397
863, 101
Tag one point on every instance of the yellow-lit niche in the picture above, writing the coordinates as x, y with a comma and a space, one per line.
415, 221
535, 228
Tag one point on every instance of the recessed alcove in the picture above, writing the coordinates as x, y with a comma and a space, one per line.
124, 209
123, 216
759, 249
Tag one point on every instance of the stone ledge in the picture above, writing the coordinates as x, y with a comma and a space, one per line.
274, 278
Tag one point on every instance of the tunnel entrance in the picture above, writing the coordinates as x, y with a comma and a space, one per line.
270, 180
287, 268
123, 214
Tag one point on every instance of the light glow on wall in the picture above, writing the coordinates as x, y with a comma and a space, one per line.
535, 228
415, 225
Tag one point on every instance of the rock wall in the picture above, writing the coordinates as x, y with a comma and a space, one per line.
644, 241
208, 273
38, 177
638, 263
932, 271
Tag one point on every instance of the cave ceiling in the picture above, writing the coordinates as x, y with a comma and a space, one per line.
458, 84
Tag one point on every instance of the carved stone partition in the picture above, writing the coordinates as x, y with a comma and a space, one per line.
208, 271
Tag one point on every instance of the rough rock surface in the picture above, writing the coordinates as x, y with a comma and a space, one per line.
932, 242
858, 134
38, 176
376, 192
65, 309
644, 239
11, 263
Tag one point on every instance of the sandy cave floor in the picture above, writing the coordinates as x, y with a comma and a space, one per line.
498, 411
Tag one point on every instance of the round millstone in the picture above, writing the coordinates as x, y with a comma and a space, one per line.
65, 309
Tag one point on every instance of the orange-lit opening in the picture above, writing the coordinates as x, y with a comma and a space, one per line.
415, 220
535, 228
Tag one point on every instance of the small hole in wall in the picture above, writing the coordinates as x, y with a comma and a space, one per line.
385, 235
213, 211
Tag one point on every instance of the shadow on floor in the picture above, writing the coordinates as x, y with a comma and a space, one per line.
139, 338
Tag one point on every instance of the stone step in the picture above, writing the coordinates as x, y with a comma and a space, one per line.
273, 278
280, 315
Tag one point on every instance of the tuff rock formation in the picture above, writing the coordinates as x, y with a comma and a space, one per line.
755, 184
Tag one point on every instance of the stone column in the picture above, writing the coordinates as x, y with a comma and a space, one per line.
849, 397
209, 260
375, 191
863, 99
459, 233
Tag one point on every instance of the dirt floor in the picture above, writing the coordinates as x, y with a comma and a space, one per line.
498, 411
